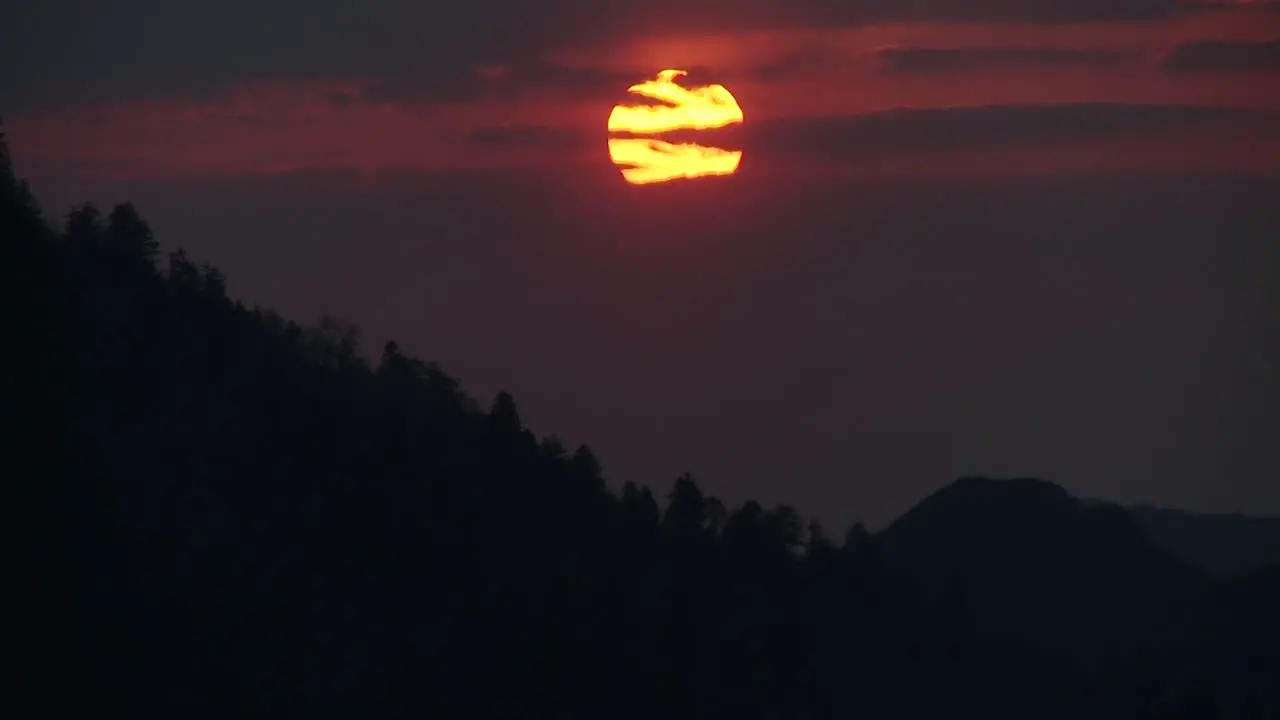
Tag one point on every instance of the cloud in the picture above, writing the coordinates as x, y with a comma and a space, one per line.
55, 51
928, 129
1042, 11
500, 82
1223, 56
804, 63
340, 98
1269, 4
970, 127
921, 61
535, 136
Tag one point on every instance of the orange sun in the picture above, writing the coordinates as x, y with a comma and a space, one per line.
648, 159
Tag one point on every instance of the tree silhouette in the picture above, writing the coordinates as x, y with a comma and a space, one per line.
20, 214
131, 236
504, 419
7, 178
586, 472
639, 509
85, 231
212, 282
686, 516
786, 528
820, 551
183, 274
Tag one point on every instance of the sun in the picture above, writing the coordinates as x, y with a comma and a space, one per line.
635, 130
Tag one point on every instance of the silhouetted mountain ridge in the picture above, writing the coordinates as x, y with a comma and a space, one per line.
1017, 552
1226, 544
221, 513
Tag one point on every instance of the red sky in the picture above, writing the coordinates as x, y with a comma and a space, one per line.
1104, 319
323, 120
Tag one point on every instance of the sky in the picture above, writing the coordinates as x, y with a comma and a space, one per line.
1011, 237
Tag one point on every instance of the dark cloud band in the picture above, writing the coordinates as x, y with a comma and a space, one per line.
1222, 56
907, 129
925, 61
83, 50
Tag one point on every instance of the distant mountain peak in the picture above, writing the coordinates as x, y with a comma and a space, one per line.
1025, 549
980, 498
1018, 487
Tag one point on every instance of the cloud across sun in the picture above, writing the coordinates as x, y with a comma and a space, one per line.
644, 158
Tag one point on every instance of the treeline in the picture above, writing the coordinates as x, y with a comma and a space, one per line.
220, 513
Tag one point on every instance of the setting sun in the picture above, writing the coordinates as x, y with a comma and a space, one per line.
649, 159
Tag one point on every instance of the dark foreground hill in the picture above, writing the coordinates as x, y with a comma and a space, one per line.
1240, 641
217, 513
